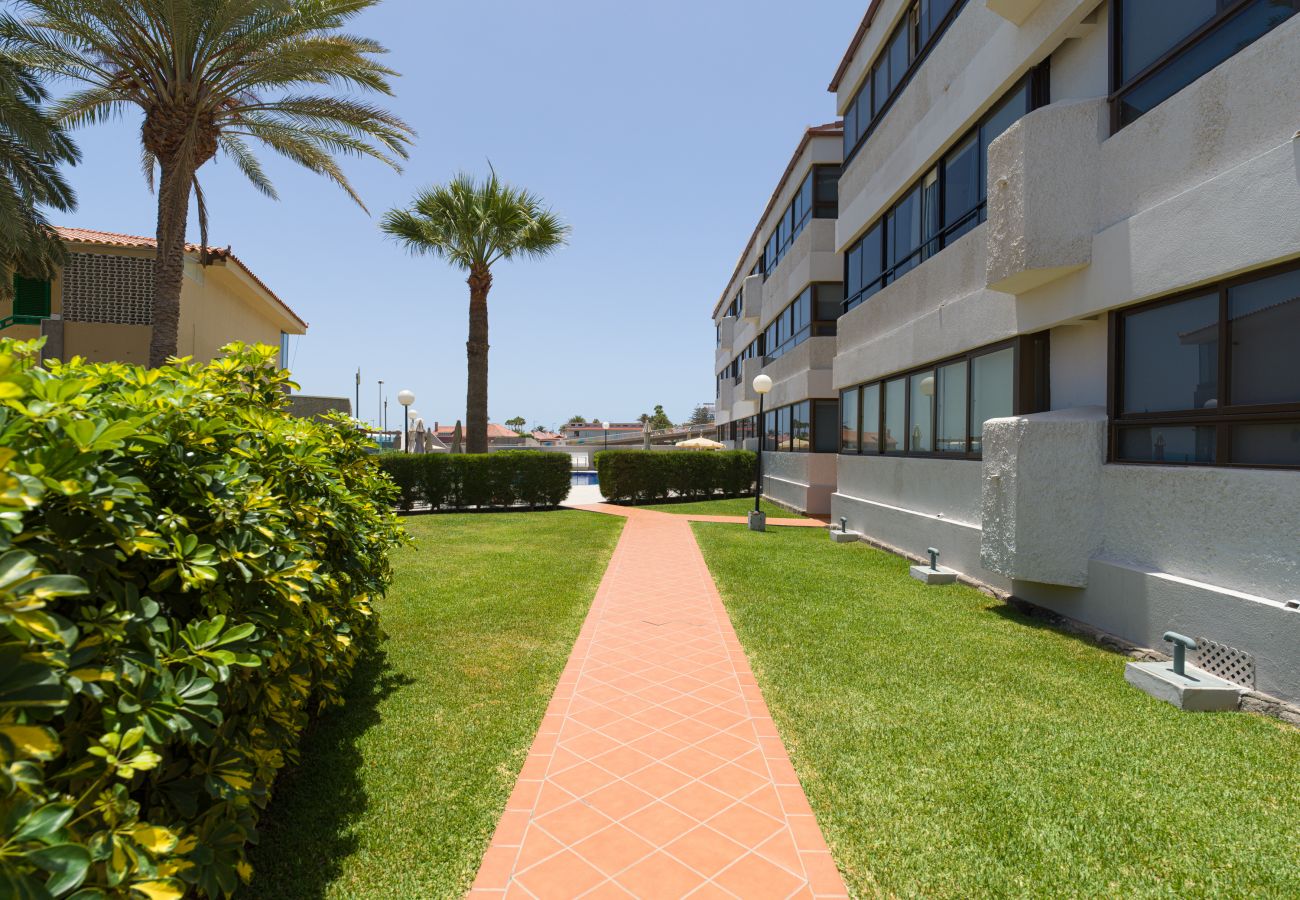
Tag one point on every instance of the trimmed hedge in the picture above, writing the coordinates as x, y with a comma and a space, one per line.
186, 578
482, 480
648, 476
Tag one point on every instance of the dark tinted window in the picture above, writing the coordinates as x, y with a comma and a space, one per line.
1171, 355
849, 436
1153, 27
1264, 325
961, 194
825, 426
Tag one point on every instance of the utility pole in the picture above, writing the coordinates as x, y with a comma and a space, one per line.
356, 413
379, 407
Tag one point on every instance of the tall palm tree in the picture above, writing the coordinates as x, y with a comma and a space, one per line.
473, 225
209, 76
32, 146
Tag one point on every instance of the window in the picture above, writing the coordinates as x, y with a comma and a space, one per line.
810, 425
31, 300
919, 29
817, 197
944, 204
1209, 377
850, 432
940, 410
1160, 47
811, 314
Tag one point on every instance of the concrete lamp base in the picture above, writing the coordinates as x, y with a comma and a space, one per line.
757, 520
844, 537
1195, 691
927, 575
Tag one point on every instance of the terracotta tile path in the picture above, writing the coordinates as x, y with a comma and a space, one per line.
657, 771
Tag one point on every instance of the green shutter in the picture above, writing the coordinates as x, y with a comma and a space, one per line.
31, 298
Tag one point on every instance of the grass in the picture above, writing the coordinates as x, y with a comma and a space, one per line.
732, 506
953, 748
398, 792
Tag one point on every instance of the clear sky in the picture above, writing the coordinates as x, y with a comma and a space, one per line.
657, 130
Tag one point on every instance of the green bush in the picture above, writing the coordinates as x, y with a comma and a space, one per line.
649, 476
481, 480
186, 577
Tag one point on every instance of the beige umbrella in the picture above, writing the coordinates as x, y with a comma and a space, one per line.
701, 443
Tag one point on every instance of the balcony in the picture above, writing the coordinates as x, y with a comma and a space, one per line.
751, 298
1043, 200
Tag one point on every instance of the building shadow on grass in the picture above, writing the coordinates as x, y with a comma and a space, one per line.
308, 829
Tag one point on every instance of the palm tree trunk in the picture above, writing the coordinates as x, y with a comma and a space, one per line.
476, 352
169, 262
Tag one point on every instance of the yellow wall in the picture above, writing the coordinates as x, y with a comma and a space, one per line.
101, 342
217, 309
219, 304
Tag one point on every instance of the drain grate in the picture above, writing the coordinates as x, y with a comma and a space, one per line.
1226, 662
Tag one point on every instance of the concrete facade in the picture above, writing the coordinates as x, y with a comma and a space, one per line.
1083, 220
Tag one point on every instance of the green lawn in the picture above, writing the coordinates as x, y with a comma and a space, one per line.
733, 506
953, 748
398, 792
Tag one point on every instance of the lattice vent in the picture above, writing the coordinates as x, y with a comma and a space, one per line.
1226, 662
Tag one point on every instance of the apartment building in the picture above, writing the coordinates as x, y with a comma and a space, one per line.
1069, 233
777, 315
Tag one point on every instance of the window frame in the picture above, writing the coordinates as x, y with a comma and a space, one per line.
814, 327
1224, 415
769, 439
1030, 374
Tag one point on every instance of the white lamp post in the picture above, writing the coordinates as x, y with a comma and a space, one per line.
757, 519
406, 398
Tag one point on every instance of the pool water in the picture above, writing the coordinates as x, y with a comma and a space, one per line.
583, 478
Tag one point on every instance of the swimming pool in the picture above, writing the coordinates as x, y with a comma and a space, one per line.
581, 477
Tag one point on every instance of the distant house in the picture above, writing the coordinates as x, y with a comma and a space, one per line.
99, 305
597, 432
498, 435
548, 438
306, 406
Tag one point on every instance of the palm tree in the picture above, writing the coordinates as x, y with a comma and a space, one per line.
32, 146
209, 76
473, 225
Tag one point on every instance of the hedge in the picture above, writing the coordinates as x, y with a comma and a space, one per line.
646, 476
186, 577
507, 478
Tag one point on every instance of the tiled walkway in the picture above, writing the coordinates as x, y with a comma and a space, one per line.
657, 771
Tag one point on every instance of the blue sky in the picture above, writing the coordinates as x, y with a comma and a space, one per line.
656, 129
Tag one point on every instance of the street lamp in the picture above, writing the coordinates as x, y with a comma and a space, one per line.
406, 398
757, 519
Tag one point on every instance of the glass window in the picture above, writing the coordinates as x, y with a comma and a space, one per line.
825, 429
871, 418
1267, 444
850, 439
930, 214
1171, 356
895, 415
880, 79
1177, 443
961, 188
783, 429
800, 427
904, 229
1150, 29
1264, 325
769, 430
826, 201
1153, 27
853, 269
920, 437
828, 302
900, 54
951, 418
992, 391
